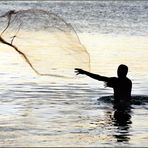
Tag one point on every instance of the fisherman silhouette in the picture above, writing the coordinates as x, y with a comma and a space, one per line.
121, 85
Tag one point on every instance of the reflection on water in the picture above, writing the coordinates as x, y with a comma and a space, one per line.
46, 111
122, 121
35, 114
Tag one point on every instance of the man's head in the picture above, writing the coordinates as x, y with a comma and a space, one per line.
122, 71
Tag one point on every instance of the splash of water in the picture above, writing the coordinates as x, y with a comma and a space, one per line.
49, 44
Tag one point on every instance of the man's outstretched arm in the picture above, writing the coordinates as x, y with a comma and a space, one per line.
92, 75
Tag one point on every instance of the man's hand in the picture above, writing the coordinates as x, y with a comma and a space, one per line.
79, 71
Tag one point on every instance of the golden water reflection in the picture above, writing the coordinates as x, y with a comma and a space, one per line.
46, 111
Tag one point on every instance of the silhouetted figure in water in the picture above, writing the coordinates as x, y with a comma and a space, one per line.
122, 85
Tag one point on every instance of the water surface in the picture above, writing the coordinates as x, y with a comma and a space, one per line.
49, 111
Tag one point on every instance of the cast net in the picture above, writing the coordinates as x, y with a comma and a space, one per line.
48, 44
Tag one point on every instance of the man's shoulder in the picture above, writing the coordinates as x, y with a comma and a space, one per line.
129, 80
113, 79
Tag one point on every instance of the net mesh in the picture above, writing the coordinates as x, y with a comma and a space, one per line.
47, 43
